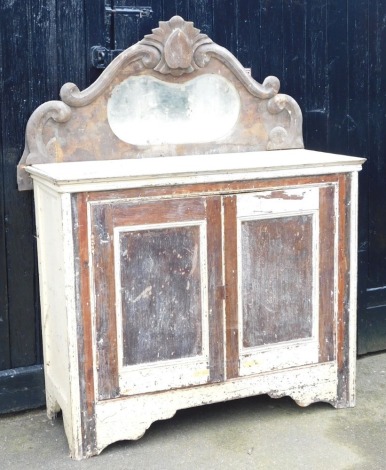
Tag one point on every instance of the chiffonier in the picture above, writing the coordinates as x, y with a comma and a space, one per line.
190, 249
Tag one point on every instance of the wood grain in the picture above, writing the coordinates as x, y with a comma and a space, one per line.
277, 280
343, 320
216, 288
231, 292
327, 227
104, 293
87, 441
161, 294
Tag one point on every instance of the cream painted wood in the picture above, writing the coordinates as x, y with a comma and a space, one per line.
117, 174
142, 410
262, 206
281, 369
59, 321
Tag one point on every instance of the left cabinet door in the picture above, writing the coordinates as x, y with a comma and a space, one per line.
156, 304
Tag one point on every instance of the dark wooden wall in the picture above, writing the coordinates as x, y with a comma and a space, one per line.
330, 56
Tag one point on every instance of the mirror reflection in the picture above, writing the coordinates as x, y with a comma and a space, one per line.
143, 110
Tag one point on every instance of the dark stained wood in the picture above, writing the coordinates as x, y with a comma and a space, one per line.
359, 144
212, 188
223, 29
247, 22
161, 285
327, 229
271, 38
105, 320
32, 35
160, 248
17, 209
372, 305
343, 322
84, 322
231, 291
21, 388
95, 34
216, 286
277, 279
173, 210
5, 350
337, 73
294, 78
316, 99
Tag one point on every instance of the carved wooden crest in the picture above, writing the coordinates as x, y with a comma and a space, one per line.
174, 93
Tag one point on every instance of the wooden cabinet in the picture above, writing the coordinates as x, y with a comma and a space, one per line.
190, 250
180, 287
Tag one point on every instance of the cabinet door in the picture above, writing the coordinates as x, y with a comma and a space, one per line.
280, 279
156, 302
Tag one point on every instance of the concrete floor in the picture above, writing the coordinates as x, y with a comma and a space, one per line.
253, 433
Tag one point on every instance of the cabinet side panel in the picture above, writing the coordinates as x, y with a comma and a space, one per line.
57, 282
87, 440
327, 276
347, 276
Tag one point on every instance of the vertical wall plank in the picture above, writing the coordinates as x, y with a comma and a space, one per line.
125, 26
293, 80
377, 161
71, 42
147, 24
18, 212
201, 13
338, 77
175, 7
224, 24
5, 358
316, 102
271, 38
95, 34
358, 138
248, 36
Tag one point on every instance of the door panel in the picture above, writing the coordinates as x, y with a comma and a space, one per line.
283, 241
157, 251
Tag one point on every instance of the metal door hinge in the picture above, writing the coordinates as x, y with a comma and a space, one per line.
140, 12
101, 56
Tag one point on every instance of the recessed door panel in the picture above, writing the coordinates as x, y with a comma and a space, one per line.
276, 280
161, 293
275, 254
151, 261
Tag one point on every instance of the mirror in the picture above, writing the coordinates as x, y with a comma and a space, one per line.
143, 110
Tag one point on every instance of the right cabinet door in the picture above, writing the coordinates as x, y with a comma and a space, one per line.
280, 248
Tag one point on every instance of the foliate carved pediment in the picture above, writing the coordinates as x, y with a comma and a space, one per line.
177, 41
232, 112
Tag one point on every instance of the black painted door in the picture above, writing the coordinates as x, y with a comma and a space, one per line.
330, 57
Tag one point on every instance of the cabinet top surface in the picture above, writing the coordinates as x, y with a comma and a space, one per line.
99, 175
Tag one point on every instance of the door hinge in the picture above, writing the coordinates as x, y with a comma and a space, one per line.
101, 56
140, 12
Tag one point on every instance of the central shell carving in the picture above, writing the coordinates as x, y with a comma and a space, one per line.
178, 50
177, 41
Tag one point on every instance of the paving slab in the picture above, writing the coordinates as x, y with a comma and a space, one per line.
253, 433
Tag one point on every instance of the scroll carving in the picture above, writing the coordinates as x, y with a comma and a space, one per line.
36, 150
281, 138
176, 52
